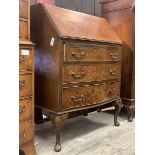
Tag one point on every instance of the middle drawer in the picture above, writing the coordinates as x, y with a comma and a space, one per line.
88, 73
25, 108
25, 84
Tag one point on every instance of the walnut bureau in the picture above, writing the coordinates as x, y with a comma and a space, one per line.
77, 64
26, 81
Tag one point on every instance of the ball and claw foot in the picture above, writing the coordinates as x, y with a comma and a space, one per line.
58, 121
57, 148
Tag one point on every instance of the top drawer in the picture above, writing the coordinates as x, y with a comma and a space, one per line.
89, 52
25, 59
23, 9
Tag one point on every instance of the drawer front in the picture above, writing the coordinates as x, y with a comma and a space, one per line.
88, 73
74, 97
23, 9
25, 59
25, 109
23, 29
25, 84
85, 52
29, 149
25, 131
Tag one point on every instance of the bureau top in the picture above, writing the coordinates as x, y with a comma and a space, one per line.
75, 25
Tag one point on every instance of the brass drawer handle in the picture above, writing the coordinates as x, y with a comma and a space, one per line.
21, 83
78, 99
77, 75
22, 109
113, 55
78, 54
22, 134
111, 72
21, 58
112, 91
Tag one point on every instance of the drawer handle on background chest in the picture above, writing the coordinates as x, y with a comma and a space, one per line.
77, 75
78, 99
111, 72
78, 54
112, 91
113, 55
22, 109
21, 83
22, 134
21, 58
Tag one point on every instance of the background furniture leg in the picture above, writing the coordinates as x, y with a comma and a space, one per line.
130, 114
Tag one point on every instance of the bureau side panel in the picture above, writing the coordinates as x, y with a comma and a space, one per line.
46, 59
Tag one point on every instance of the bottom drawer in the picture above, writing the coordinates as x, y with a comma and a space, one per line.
28, 149
25, 131
79, 96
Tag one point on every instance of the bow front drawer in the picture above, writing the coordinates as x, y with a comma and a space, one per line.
25, 109
25, 131
79, 96
25, 84
89, 52
88, 73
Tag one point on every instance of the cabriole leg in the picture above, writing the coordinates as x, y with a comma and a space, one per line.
118, 105
58, 121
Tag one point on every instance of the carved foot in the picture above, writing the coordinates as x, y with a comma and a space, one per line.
118, 105
58, 121
57, 148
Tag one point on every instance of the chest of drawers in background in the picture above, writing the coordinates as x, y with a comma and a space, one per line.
77, 64
26, 81
121, 16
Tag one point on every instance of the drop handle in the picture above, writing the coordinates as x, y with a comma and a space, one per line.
81, 98
21, 83
21, 58
113, 55
111, 72
77, 75
22, 134
22, 109
79, 54
112, 91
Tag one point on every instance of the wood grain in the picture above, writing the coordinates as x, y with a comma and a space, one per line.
82, 96
90, 52
89, 73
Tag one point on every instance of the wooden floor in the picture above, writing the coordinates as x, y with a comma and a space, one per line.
94, 134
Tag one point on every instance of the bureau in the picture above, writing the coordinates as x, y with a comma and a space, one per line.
26, 81
77, 64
